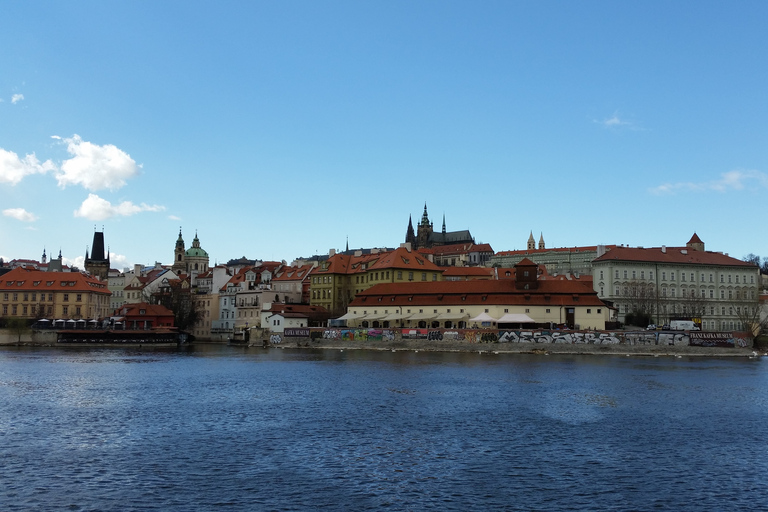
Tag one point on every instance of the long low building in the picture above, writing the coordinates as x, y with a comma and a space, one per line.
526, 301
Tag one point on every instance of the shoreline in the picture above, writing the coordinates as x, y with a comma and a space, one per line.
524, 348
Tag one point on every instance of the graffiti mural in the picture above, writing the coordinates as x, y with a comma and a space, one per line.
275, 339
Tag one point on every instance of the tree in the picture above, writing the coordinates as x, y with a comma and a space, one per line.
186, 310
642, 299
17, 327
752, 317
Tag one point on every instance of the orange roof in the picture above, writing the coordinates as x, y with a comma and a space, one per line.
669, 255
476, 292
402, 258
469, 272
293, 273
695, 239
31, 280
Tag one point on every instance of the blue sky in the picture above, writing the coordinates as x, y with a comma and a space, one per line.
278, 129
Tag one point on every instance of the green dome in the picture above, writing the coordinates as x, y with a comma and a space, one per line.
196, 252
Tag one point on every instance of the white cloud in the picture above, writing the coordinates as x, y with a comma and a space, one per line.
731, 180
78, 262
615, 121
13, 169
95, 167
16, 98
20, 214
96, 208
174, 217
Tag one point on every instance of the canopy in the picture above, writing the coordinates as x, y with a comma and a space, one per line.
349, 316
483, 317
516, 318
374, 316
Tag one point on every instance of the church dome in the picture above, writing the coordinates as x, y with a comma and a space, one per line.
196, 252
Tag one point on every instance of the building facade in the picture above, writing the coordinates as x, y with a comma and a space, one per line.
34, 294
678, 283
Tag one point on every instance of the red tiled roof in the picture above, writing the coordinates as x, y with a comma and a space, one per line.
476, 292
401, 258
695, 239
671, 255
23, 279
469, 272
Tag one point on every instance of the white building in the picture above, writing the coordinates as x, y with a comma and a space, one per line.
678, 283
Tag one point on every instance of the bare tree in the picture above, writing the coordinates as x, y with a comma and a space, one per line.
642, 299
752, 317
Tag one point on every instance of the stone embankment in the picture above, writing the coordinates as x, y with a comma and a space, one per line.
519, 348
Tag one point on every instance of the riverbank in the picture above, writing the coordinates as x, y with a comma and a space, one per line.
647, 350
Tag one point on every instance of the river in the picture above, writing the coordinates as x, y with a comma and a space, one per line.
215, 427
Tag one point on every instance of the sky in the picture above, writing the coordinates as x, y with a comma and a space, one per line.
277, 130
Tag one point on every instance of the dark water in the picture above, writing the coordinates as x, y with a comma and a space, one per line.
247, 429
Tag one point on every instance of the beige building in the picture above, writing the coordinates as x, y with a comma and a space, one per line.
678, 283
35, 294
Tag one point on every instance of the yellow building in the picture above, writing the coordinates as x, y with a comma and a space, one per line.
53, 295
337, 281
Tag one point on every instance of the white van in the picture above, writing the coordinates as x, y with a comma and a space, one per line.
683, 325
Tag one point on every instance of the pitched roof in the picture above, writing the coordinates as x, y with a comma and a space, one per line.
476, 292
32, 280
672, 255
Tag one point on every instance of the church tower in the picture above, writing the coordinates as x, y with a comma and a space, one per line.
531, 242
178, 255
97, 264
410, 235
424, 230
541, 242
695, 243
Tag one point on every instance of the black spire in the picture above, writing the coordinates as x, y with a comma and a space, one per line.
410, 236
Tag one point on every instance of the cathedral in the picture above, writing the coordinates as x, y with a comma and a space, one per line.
426, 237
191, 261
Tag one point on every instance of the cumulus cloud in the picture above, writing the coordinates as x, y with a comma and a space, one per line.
97, 208
95, 167
13, 168
20, 214
17, 98
731, 180
174, 217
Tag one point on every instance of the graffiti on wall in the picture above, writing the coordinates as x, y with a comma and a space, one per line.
635, 338
275, 339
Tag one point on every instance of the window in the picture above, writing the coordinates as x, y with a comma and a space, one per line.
66, 297
663, 276
589, 311
548, 310
65, 310
616, 275
671, 276
410, 276
682, 276
711, 294
601, 274
506, 310
527, 310
399, 275
79, 297
423, 276
625, 274
598, 311
642, 274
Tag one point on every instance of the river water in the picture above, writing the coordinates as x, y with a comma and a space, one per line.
216, 427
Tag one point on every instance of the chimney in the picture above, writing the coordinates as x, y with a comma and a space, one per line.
664, 249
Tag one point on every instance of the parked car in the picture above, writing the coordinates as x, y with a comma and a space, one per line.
651, 327
665, 327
